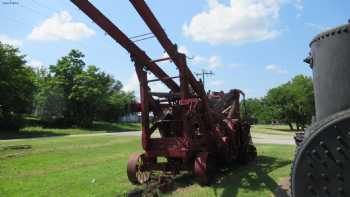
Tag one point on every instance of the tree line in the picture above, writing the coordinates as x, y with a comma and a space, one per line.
291, 103
72, 93
69, 93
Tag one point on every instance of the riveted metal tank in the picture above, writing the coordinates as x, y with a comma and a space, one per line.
321, 166
330, 63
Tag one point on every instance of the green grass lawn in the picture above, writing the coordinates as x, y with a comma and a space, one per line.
96, 166
260, 179
98, 127
66, 166
105, 127
272, 129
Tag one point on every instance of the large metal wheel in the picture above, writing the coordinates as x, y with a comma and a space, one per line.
204, 168
322, 163
135, 171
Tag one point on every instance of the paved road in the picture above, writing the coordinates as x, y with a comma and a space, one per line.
258, 138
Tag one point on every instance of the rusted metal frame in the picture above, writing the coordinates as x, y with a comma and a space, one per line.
151, 21
94, 14
147, 104
154, 80
144, 97
162, 59
165, 167
174, 167
174, 147
178, 58
169, 152
234, 112
167, 147
166, 95
161, 106
153, 105
184, 86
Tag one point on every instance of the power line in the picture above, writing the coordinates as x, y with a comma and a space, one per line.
146, 38
13, 20
45, 6
39, 13
55, 10
67, 2
33, 10
202, 74
142, 35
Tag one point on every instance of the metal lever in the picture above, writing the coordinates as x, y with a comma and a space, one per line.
309, 60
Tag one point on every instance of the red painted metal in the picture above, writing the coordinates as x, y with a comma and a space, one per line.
180, 61
195, 128
162, 59
203, 168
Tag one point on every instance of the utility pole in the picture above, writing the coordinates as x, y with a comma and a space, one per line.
204, 73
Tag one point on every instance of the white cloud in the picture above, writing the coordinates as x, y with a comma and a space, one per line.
34, 63
132, 84
60, 26
316, 27
181, 49
299, 5
239, 22
275, 69
11, 41
158, 87
211, 62
217, 83
214, 62
199, 60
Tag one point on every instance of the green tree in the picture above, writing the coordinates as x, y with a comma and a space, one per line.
281, 102
64, 74
258, 110
74, 94
49, 100
90, 91
302, 88
293, 102
16, 87
116, 105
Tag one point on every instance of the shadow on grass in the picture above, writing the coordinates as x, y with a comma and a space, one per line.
280, 129
253, 177
25, 134
40, 131
115, 127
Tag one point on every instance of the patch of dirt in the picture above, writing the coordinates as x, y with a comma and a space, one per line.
283, 189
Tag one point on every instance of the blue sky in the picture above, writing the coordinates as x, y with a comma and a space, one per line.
252, 45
